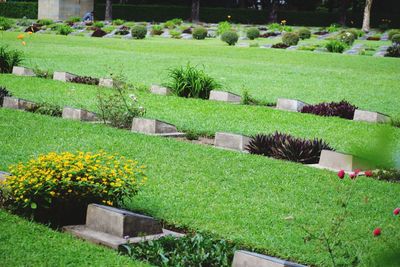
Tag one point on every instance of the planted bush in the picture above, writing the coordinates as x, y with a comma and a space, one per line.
287, 147
346, 37
73, 20
5, 23
224, 27
191, 82
98, 24
45, 22
342, 109
200, 33
85, 80
335, 46
139, 32
46, 109
57, 187
253, 33
304, 33
9, 58
230, 37
190, 250
64, 29
3, 93
392, 33
396, 39
393, 51
157, 30
290, 38
118, 22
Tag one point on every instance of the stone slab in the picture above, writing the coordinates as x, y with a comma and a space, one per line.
266, 46
120, 223
225, 97
243, 45
63, 76
159, 90
3, 176
290, 104
106, 82
231, 141
336, 161
111, 241
250, 259
78, 114
22, 71
370, 116
16, 103
154, 127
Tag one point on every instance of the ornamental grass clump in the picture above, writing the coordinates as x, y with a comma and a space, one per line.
342, 109
9, 58
191, 82
57, 187
287, 147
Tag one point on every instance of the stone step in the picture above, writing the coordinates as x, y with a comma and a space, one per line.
225, 97
231, 141
250, 259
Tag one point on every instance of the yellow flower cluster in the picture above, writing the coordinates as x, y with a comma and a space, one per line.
90, 177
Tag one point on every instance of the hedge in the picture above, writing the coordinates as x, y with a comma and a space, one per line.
19, 9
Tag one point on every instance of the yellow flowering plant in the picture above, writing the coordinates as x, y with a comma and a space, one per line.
56, 182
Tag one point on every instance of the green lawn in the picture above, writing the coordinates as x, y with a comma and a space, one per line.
237, 196
24, 243
368, 82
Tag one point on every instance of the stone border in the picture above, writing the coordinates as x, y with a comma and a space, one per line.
244, 258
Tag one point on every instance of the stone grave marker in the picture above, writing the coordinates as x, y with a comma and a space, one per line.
250, 259
290, 104
106, 82
63, 76
231, 141
340, 161
78, 114
3, 176
16, 103
22, 71
225, 97
370, 116
159, 90
154, 127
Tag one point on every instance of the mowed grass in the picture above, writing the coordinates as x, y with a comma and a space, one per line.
24, 243
236, 196
208, 117
369, 82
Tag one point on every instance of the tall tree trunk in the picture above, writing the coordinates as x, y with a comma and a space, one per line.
195, 17
108, 10
367, 16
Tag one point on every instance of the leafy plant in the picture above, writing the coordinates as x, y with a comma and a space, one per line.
392, 33
304, 33
287, 147
347, 38
274, 27
333, 28
230, 37
170, 24
393, 51
44, 22
24, 22
73, 20
224, 27
199, 33
9, 59
57, 187
191, 82
45, 74
3, 93
253, 33
118, 22
190, 250
139, 32
85, 80
396, 39
5, 23
119, 109
98, 24
342, 109
157, 30
46, 109
175, 34
391, 175
356, 32
64, 29
290, 38
335, 46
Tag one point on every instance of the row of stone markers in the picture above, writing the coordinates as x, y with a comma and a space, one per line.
59, 76
328, 160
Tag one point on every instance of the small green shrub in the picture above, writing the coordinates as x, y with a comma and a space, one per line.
9, 59
98, 24
45, 74
199, 33
157, 30
274, 27
290, 38
109, 29
45, 22
253, 33
175, 34
286, 28
230, 37
190, 250
392, 33
396, 39
64, 29
335, 46
5, 23
24, 22
73, 20
393, 51
347, 38
170, 24
304, 33
177, 21
139, 32
191, 82
333, 28
118, 22
224, 27
46, 109
391, 175
356, 32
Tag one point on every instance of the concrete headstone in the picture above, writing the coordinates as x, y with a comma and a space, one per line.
225, 97
231, 141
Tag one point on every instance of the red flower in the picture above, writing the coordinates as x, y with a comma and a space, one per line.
369, 173
377, 231
353, 176
357, 171
396, 211
341, 174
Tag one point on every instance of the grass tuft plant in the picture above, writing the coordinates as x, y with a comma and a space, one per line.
9, 58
